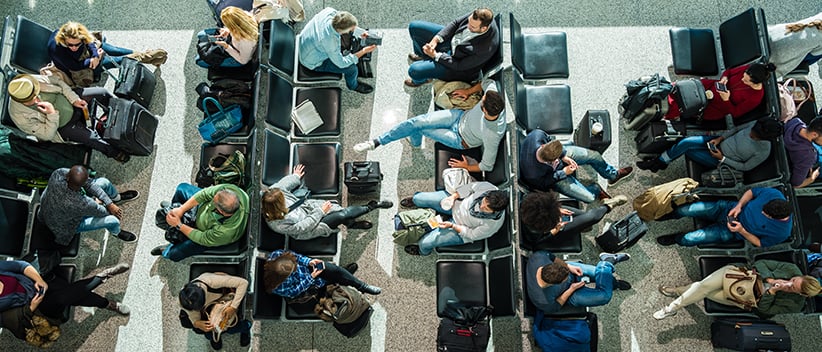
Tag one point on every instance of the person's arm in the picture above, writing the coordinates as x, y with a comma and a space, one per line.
299, 228
331, 46
447, 32
814, 173
570, 291
240, 286
288, 183
464, 93
746, 197
747, 235
779, 303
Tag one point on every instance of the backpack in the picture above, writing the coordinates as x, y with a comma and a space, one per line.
342, 304
411, 225
791, 98
464, 328
658, 201
224, 168
228, 92
642, 93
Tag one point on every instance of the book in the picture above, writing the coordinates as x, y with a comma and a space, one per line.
306, 117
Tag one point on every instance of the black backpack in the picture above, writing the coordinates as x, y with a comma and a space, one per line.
464, 328
228, 92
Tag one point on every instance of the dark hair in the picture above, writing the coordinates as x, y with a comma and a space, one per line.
815, 125
497, 200
192, 296
276, 270
77, 176
555, 272
767, 128
539, 211
777, 208
493, 104
484, 15
759, 72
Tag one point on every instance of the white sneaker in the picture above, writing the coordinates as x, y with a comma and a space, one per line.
664, 313
120, 308
364, 146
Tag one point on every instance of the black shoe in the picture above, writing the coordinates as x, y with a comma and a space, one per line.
202, 89
245, 338
412, 249
622, 285
408, 202
216, 345
126, 236
363, 88
415, 57
667, 240
385, 204
371, 290
351, 268
158, 250
361, 225
652, 165
122, 157
128, 196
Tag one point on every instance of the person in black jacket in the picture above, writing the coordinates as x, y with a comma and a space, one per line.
455, 52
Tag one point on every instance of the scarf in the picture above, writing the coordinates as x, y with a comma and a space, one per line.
475, 212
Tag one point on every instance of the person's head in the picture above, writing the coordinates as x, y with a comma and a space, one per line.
480, 19
492, 104
276, 270
539, 211
815, 130
73, 35
239, 23
805, 285
76, 177
226, 202
549, 152
777, 209
192, 296
554, 273
24, 89
757, 73
494, 201
344, 22
766, 128
274, 204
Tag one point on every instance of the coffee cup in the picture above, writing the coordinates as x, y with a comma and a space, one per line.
597, 128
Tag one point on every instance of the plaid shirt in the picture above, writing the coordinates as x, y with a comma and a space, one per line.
300, 280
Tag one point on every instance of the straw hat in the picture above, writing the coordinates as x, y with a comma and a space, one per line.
24, 88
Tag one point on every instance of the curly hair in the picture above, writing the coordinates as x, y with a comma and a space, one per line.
777, 208
273, 207
276, 270
539, 211
555, 272
497, 200
73, 30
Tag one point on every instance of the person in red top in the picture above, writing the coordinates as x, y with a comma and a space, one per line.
744, 92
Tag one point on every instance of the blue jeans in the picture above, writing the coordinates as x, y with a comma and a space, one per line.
439, 238
228, 62
180, 251
431, 200
350, 72
603, 276
716, 212
571, 187
113, 54
421, 33
695, 148
440, 126
108, 222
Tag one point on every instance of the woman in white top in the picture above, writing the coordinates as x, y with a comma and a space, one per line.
793, 43
238, 37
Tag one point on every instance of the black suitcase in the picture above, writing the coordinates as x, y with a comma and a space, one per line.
130, 127
752, 335
353, 328
622, 234
689, 94
583, 137
362, 177
135, 81
659, 136
452, 337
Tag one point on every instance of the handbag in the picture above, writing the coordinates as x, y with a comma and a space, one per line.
214, 314
218, 125
172, 234
722, 176
211, 53
267, 10
455, 177
43, 333
742, 286
411, 225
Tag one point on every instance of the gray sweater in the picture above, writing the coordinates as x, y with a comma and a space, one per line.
788, 49
476, 131
304, 222
741, 152
62, 209
476, 228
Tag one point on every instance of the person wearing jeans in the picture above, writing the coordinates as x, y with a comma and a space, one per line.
197, 296
290, 275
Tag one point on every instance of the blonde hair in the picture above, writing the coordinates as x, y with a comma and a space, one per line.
73, 30
343, 20
550, 151
810, 286
799, 26
239, 23
273, 207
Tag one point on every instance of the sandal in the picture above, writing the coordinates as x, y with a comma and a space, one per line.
361, 225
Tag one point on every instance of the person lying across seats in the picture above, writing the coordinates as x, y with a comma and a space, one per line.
198, 299
743, 92
545, 217
220, 220
287, 210
742, 148
478, 211
72, 202
24, 295
552, 283
238, 38
762, 217
455, 52
795, 43
47, 108
294, 276
458, 129
784, 290
545, 165
320, 47
802, 155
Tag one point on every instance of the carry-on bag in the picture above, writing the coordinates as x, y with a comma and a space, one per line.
622, 234
353, 328
659, 136
751, 335
645, 100
464, 329
566, 334
689, 94
135, 81
218, 125
594, 131
362, 177
722, 176
130, 127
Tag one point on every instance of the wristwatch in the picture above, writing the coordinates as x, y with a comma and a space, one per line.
178, 226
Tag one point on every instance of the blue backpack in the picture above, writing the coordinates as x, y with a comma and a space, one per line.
569, 335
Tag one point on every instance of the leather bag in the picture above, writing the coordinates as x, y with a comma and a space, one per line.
742, 286
658, 201
216, 126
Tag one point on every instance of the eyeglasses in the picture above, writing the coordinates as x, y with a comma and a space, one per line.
76, 45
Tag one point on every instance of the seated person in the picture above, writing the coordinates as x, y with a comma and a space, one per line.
478, 211
293, 275
744, 92
45, 107
198, 297
301, 218
72, 202
455, 52
24, 294
545, 165
220, 220
320, 47
762, 217
552, 283
785, 290
238, 37
457, 129
742, 148
802, 155
793, 43
542, 214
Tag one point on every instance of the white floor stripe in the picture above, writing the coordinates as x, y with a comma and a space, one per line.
378, 321
634, 342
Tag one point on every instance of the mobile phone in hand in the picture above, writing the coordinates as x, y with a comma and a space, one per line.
319, 266
567, 218
721, 87
42, 291
731, 219
214, 38
712, 147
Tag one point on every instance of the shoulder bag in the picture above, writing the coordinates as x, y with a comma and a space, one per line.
742, 286
220, 124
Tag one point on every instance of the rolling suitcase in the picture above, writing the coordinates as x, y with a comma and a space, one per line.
689, 94
130, 127
659, 136
622, 234
584, 136
755, 335
135, 81
362, 177
453, 337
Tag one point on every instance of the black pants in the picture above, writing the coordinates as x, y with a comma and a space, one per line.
345, 216
76, 131
334, 274
62, 294
583, 219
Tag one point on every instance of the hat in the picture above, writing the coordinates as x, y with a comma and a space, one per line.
24, 88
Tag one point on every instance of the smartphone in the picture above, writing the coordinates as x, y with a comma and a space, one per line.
731, 219
214, 38
721, 87
712, 147
567, 218
42, 291
319, 266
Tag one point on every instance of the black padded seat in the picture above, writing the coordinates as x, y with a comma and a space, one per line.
29, 51
322, 166
476, 247
810, 209
545, 107
693, 51
501, 239
237, 248
281, 48
709, 264
567, 311
320, 246
243, 73
14, 215
266, 305
744, 38
66, 272
538, 56
280, 96
276, 160
770, 169
796, 256
566, 243
43, 238
499, 175
211, 150
501, 275
268, 240
467, 279
304, 74
327, 101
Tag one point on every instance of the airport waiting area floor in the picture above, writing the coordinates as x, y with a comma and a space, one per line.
609, 43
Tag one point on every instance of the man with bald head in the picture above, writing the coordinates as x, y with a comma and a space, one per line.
220, 220
72, 202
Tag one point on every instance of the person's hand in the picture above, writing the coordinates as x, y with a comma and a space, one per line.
432, 44
364, 35
725, 96
223, 33
569, 161
446, 225
45, 108
204, 325
716, 141
222, 43
35, 301
724, 80
453, 162
229, 312
570, 169
430, 51
734, 226
716, 154
575, 270
299, 170
173, 219
734, 213
40, 284
93, 62
326, 207
815, 173
460, 94
113, 209
80, 103
564, 211
576, 285
314, 263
